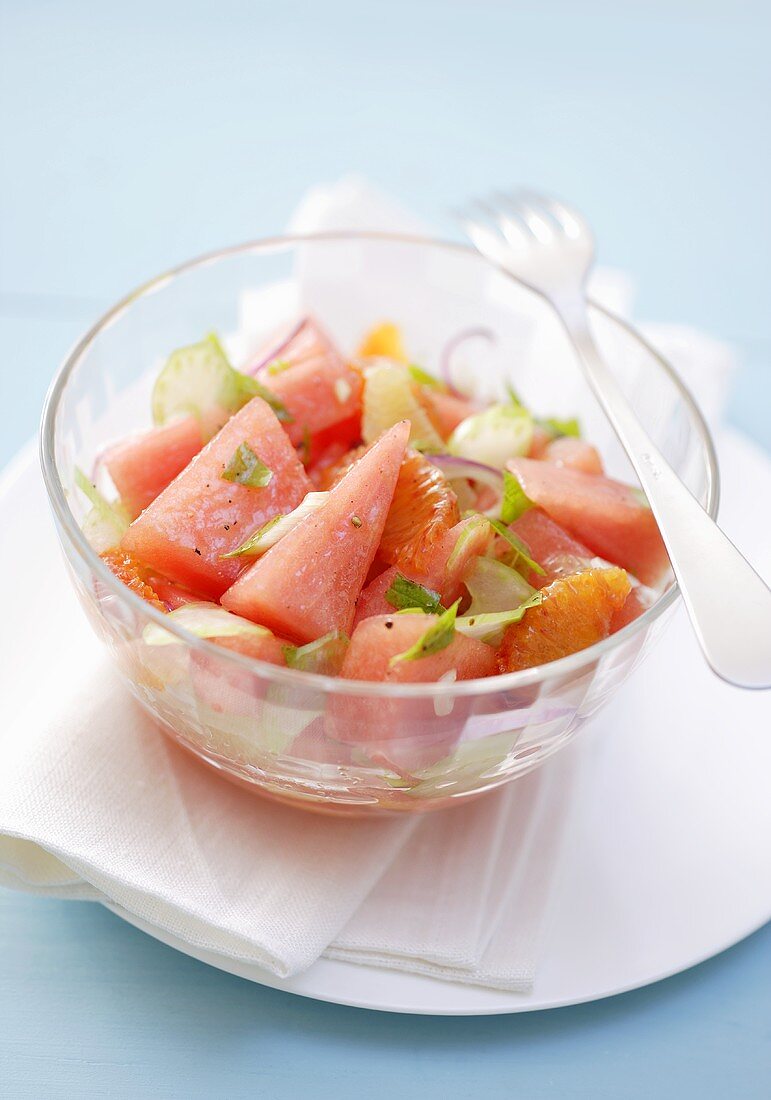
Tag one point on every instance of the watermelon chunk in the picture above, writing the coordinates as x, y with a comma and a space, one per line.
308, 583
143, 466
610, 518
576, 454
200, 516
560, 555
405, 735
225, 688
557, 552
446, 410
372, 600
376, 640
317, 386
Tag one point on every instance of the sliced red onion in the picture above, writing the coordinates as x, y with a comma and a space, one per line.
454, 467
277, 350
445, 358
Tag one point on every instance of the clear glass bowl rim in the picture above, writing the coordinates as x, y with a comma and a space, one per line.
509, 681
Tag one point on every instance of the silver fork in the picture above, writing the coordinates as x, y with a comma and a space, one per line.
550, 248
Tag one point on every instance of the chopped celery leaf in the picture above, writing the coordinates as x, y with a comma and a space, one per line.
515, 501
245, 468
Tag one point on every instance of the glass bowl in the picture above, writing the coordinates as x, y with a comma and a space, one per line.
331, 744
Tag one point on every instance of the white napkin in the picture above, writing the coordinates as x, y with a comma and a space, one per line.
95, 803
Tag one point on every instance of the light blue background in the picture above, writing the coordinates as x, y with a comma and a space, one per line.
135, 135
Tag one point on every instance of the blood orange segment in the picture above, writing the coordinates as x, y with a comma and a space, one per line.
134, 574
424, 507
612, 519
576, 612
308, 583
201, 515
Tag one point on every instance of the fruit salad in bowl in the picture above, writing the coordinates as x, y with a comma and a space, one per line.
338, 570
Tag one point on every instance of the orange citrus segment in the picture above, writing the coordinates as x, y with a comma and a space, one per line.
424, 507
383, 341
133, 574
576, 612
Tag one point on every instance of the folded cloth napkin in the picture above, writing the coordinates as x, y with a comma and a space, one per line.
96, 804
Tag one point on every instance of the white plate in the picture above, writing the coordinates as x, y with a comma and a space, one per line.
671, 830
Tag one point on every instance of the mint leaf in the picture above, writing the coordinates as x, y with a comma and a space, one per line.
405, 595
515, 501
245, 468
438, 636
522, 552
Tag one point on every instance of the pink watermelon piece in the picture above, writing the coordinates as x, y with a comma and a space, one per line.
376, 640
404, 734
226, 689
446, 410
576, 454
372, 600
540, 441
143, 466
308, 583
609, 517
318, 388
200, 516
559, 554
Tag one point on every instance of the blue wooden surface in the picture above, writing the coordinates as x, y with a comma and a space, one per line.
136, 135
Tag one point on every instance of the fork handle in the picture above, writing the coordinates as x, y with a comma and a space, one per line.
728, 603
